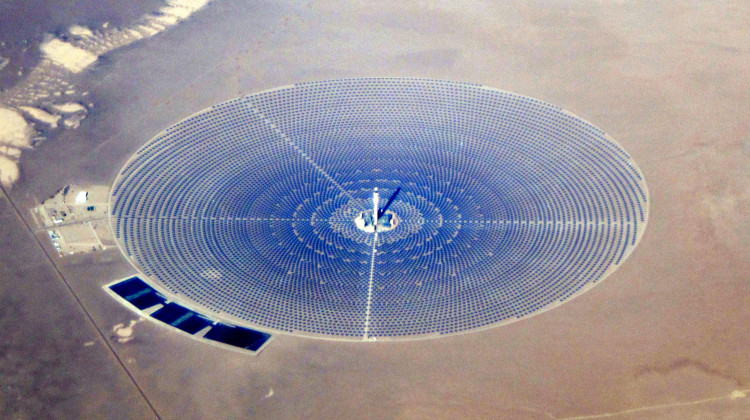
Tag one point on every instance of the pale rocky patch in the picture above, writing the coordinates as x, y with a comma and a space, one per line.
123, 333
71, 57
9, 172
14, 130
41, 115
69, 108
80, 31
10, 151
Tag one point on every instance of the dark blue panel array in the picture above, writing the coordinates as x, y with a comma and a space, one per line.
181, 318
237, 336
508, 206
139, 294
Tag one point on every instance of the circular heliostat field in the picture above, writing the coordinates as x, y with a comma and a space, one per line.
260, 210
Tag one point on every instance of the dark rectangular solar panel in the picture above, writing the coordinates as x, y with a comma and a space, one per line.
181, 318
237, 336
147, 300
138, 293
129, 286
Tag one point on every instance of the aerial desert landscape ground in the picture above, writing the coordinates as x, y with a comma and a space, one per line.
665, 336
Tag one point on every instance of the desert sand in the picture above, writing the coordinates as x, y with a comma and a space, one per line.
52, 78
664, 337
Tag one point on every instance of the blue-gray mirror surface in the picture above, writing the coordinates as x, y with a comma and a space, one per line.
260, 210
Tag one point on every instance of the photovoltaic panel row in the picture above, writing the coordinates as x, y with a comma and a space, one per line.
139, 294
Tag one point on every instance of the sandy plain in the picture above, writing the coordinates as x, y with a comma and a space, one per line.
664, 337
